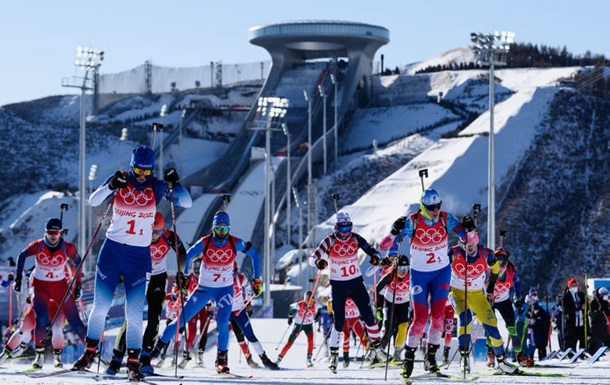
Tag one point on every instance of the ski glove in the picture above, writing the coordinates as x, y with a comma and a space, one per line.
78, 291
375, 258
289, 320
468, 224
17, 284
399, 225
379, 314
257, 286
321, 264
119, 180
519, 305
171, 176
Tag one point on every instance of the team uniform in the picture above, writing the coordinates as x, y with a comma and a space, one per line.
155, 295
393, 293
303, 313
355, 324
469, 295
240, 321
126, 249
430, 271
346, 280
218, 254
49, 284
508, 282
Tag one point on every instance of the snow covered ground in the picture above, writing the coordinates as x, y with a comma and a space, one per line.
295, 372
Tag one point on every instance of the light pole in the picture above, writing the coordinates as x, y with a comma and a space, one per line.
297, 201
323, 94
309, 160
89, 59
122, 139
288, 182
271, 108
92, 177
162, 114
333, 79
492, 50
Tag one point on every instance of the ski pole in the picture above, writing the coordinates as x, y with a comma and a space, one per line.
155, 126
391, 323
283, 335
586, 312
62, 207
502, 235
323, 342
335, 199
226, 199
423, 173
78, 269
176, 251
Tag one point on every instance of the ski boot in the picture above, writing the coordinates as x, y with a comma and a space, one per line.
250, 361
268, 363
397, 357
464, 362
12, 353
221, 362
186, 357
430, 364
332, 361
114, 366
491, 358
446, 351
345, 359
524, 361
407, 364
86, 359
57, 362
309, 361
134, 374
145, 361
200, 358
159, 347
279, 359
39, 360
505, 366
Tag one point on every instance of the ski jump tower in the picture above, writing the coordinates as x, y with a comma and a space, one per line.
290, 43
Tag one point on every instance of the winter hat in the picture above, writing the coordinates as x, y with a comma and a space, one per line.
472, 238
143, 157
343, 219
53, 224
430, 197
572, 282
221, 217
159, 221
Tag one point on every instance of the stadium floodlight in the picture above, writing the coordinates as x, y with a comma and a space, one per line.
89, 60
492, 50
273, 109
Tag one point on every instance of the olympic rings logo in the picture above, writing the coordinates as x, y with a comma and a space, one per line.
51, 260
474, 271
501, 287
430, 235
222, 256
158, 252
130, 196
345, 249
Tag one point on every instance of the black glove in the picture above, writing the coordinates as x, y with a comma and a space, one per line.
468, 224
519, 305
321, 264
385, 261
171, 176
78, 292
289, 320
17, 284
399, 225
375, 258
119, 180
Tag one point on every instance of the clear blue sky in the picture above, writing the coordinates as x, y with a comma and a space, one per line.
39, 37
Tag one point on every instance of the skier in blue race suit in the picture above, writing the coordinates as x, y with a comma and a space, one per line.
218, 251
427, 233
126, 249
